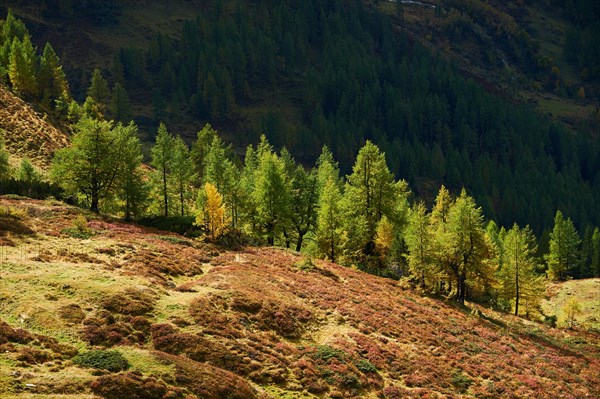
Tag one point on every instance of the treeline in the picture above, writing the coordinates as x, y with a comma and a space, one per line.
349, 76
367, 218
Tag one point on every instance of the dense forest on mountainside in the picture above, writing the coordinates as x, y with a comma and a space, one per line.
338, 73
262, 294
433, 125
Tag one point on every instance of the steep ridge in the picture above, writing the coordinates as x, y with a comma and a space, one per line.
26, 132
195, 320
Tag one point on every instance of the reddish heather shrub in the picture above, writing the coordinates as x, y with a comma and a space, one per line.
132, 386
18, 336
132, 301
206, 381
34, 356
71, 313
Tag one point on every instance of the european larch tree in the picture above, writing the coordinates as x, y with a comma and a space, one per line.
91, 164
182, 173
162, 160
520, 282
419, 239
564, 248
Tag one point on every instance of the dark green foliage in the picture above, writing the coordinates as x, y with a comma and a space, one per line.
433, 124
176, 224
461, 381
326, 353
365, 366
110, 360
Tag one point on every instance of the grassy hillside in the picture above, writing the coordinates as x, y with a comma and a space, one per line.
194, 320
26, 132
587, 294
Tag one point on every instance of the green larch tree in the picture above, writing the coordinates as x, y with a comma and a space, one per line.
564, 248
182, 173
162, 160
466, 249
99, 91
131, 187
303, 203
52, 80
419, 239
370, 194
27, 172
4, 166
91, 164
519, 281
330, 221
200, 147
271, 192
120, 106
22, 68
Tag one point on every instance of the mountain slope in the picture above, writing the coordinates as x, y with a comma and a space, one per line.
193, 319
26, 132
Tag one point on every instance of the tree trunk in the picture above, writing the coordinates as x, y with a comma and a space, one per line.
299, 242
166, 199
94, 208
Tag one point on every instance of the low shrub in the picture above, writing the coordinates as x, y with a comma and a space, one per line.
365, 366
133, 386
110, 360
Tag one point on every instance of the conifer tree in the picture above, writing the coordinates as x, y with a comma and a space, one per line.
131, 187
162, 160
12, 27
462, 247
99, 91
303, 202
520, 282
271, 192
120, 107
564, 248
212, 211
22, 68
4, 166
182, 173
27, 172
419, 239
330, 221
91, 164
370, 194
200, 148
52, 80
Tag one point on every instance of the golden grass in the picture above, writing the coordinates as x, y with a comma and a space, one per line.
587, 293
